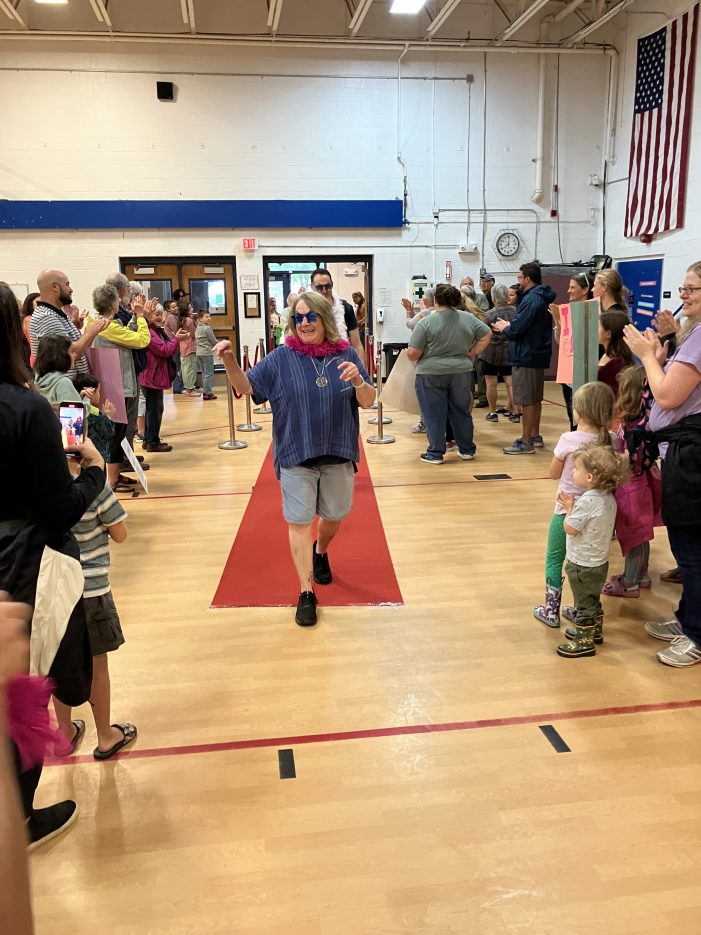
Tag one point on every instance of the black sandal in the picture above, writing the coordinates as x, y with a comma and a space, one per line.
130, 734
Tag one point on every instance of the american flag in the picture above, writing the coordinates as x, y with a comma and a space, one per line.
659, 148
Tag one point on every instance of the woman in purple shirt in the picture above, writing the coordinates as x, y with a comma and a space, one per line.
675, 419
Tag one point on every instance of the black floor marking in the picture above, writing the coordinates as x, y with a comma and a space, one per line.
555, 739
286, 762
492, 476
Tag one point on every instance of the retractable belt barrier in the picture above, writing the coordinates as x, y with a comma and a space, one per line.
265, 409
379, 419
248, 425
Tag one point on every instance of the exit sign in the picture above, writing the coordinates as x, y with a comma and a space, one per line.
249, 243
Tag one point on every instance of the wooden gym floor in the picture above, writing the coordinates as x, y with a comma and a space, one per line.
427, 800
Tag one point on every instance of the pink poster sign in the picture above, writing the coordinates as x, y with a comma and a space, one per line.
104, 364
565, 361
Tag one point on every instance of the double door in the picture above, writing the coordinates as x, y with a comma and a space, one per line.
209, 283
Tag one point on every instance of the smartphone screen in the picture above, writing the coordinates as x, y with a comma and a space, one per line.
73, 421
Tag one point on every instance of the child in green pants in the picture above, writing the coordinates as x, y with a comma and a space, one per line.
593, 414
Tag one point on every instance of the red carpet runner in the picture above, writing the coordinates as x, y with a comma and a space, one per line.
259, 571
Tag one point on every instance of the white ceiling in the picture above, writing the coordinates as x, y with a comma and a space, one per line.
361, 21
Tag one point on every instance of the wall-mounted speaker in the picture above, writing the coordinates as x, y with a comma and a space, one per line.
165, 90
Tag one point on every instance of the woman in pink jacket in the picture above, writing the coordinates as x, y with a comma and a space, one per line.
158, 376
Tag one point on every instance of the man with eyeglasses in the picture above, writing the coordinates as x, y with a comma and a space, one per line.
530, 348
344, 314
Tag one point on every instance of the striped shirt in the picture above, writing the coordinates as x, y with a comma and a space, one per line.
47, 319
309, 421
93, 539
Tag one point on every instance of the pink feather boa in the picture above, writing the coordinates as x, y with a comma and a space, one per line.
28, 699
325, 349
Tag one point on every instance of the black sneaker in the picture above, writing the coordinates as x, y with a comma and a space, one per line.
306, 609
481, 404
492, 417
322, 569
47, 823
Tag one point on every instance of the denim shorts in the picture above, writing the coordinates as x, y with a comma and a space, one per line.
326, 491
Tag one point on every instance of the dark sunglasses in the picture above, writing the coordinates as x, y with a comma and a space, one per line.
323, 287
310, 316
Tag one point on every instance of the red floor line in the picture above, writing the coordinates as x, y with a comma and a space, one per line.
400, 731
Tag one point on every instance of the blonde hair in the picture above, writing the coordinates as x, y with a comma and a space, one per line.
323, 308
594, 403
688, 323
630, 393
612, 281
607, 468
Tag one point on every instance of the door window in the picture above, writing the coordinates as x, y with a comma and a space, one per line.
209, 295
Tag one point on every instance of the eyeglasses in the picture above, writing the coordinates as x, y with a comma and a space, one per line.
311, 317
688, 290
323, 286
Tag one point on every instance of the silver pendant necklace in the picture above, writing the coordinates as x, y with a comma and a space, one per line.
321, 379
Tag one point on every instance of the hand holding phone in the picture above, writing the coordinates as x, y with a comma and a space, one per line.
87, 454
74, 422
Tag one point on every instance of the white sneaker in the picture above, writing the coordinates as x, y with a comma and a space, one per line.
669, 630
680, 653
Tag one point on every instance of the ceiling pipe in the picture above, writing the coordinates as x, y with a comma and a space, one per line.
539, 160
305, 42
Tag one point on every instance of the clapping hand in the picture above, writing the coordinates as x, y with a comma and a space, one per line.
566, 500
554, 310
409, 308
109, 408
665, 323
643, 344
95, 327
182, 333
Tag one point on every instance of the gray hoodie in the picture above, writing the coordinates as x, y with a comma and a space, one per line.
58, 388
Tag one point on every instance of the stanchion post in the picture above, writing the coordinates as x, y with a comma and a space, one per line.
375, 420
265, 409
232, 443
380, 421
372, 365
248, 425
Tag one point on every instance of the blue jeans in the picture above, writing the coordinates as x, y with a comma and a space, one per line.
205, 363
443, 396
685, 542
178, 385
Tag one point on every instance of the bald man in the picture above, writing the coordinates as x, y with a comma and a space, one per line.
49, 318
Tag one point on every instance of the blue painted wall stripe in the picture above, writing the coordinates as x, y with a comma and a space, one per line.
186, 215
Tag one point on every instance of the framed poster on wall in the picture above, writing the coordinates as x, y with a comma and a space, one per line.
251, 304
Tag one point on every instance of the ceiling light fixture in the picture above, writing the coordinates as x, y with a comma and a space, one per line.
53, 2
408, 7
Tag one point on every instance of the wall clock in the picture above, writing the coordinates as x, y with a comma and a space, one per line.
508, 243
